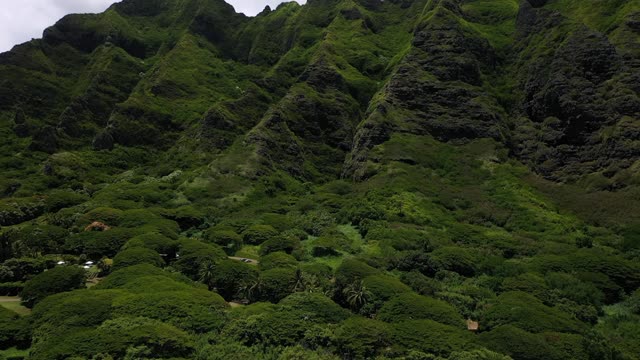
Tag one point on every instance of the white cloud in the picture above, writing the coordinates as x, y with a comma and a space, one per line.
22, 20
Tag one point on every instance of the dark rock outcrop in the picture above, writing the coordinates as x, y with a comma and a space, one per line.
103, 141
45, 139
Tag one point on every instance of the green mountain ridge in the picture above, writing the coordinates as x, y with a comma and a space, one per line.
466, 159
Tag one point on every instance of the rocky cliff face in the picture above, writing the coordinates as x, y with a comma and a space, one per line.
312, 90
579, 101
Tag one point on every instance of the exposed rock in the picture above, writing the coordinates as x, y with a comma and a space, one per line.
47, 169
634, 22
217, 131
537, 3
531, 19
45, 139
19, 117
566, 95
276, 146
103, 141
321, 76
351, 14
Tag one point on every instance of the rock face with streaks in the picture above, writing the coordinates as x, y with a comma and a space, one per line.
313, 92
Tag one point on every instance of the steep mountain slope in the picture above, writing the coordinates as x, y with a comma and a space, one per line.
471, 159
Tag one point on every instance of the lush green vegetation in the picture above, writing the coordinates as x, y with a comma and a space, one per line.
355, 179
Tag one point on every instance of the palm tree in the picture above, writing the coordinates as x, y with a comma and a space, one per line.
207, 273
357, 295
299, 281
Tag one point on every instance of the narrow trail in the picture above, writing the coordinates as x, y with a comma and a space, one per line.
248, 261
8, 299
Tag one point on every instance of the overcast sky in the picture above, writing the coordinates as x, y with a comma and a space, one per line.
22, 20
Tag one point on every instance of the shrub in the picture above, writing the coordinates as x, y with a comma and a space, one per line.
478, 354
276, 284
430, 337
455, 259
193, 254
96, 244
60, 199
382, 288
351, 270
11, 288
279, 222
410, 306
317, 269
612, 292
137, 217
633, 302
279, 243
531, 283
569, 287
105, 215
528, 313
325, 246
231, 276
136, 256
156, 242
518, 343
194, 310
129, 275
420, 283
46, 239
314, 307
76, 309
59, 279
227, 239
18, 210
186, 216
360, 338
113, 337
277, 260
624, 273
258, 234
14, 329
568, 346
22, 269
268, 329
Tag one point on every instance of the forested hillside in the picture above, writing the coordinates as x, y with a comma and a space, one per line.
344, 179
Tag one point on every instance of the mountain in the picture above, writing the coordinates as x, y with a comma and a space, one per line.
392, 168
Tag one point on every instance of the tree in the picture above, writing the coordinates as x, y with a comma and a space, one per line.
430, 337
136, 256
314, 307
411, 306
53, 281
230, 277
518, 344
258, 234
14, 330
287, 244
227, 239
357, 295
299, 281
277, 260
360, 338
193, 254
527, 312
207, 274
277, 284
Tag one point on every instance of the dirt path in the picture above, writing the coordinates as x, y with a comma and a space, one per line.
6, 299
245, 260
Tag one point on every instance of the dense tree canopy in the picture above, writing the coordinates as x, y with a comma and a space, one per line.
339, 180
